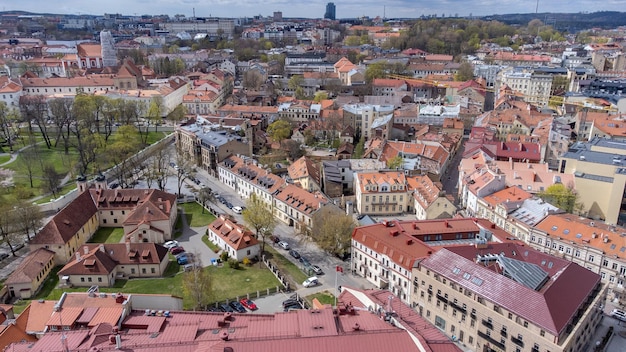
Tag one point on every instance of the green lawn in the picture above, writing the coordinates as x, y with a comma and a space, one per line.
324, 297
210, 244
108, 235
4, 158
284, 264
227, 283
195, 217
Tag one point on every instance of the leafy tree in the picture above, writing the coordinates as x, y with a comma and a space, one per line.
295, 82
319, 96
395, 163
279, 130
198, 285
375, 70
156, 111
178, 114
465, 72
258, 215
125, 143
359, 149
9, 119
332, 230
563, 197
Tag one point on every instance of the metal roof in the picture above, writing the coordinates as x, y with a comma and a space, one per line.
527, 274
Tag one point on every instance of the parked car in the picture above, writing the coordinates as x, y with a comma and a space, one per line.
618, 314
226, 308
305, 262
317, 270
274, 238
290, 301
182, 261
294, 253
238, 307
310, 282
177, 249
4, 256
228, 205
248, 304
189, 267
170, 244
237, 210
284, 245
182, 254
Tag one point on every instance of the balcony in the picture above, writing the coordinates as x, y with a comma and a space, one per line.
491, 340
517, 341
488, 324
503, 333
473, 315
442, 298
458, 307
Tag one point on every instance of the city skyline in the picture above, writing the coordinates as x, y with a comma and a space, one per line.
314, 9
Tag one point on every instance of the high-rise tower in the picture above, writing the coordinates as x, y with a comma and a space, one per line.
107, 47
330, 11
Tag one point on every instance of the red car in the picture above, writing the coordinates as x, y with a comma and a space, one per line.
177, 250
248, 304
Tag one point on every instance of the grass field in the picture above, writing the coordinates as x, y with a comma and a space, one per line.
324, 297
195, 217
210, 244
108, 235
284, 264
4, 158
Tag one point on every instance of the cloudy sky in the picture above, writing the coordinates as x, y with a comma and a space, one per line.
311, 8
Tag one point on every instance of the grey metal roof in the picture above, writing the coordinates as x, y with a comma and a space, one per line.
527, 274
533, 210
585, 151
216, 139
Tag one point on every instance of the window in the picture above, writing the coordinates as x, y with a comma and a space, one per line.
99, 279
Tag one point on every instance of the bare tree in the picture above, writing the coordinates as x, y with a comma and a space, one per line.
51, 179
28, 218
8, 123
205, 194
61, 116
35, 110
157, 171
184, 167
29, 158
198, 284
8, 226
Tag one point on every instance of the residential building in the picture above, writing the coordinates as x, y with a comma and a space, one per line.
429, 199
600, 173
246, 177
534, 87
296, 206
590, 243
144, 214
362, 116
386, 253
382, 193
233, 238
477, 184
207, 148
495, 207
103, 263
10, 92
389, 87
508, 297
305, 174
26, 280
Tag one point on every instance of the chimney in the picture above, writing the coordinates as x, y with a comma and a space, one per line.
101, 248
78, 258
511, 163
127, 246
86, 250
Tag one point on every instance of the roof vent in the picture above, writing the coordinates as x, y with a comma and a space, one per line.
224, 335
356, 327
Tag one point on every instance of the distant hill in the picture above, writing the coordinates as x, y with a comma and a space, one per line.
571, 22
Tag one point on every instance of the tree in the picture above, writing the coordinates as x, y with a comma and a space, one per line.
51, 180
61, 116
184, 166
156, 110
395, 163
29, 158
252, 79
205, 194
320, 95
293, 149
198, 285
279, 130
359, 149
178, 114
332, 230
8, 125
34, 109
376, 70
28, 218
465, 72
258, 215
125, 143
563, 197
295, 82
8, 225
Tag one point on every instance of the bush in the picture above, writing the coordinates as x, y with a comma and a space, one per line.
246, 261
233, 263
224, 256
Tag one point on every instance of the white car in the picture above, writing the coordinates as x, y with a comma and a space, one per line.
310, 282
237, 209
618, 314
170, 244
284, 245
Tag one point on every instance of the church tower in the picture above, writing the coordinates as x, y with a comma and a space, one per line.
107, 45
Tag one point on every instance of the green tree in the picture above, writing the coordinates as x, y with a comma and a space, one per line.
359, 149
295, 82
376, 70
320, 95
332, 230
279, 130
395, 163
124, 144
563, 197
258, 215
156, 111
198, 285
465, 72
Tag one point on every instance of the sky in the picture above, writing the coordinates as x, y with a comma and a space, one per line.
312, 8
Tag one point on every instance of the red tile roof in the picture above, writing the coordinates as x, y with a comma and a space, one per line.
237, 236
301, 199
302, 168
31, 267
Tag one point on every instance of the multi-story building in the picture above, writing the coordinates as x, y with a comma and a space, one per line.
386, 253
508, 297
296, 206
429, 200
362, 116
247, 178
599, 168
233, 238
305, 174
534, 87
589, 243
381, 193
330, 11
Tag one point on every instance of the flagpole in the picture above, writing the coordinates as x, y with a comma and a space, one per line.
336, 274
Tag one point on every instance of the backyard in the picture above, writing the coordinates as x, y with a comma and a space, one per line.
108, 235
194, 215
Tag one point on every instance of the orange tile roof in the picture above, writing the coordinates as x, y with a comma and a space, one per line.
586, 232
12, 333
303, 168
300, 199
64, 317
89, 50
425, 190
509, 194
253, 173
388, 82
31, 267
38, 315
237, 236
370, 182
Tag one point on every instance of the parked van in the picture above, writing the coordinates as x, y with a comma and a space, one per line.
618, 314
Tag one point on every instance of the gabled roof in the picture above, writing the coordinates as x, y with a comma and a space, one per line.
66, 223
31, 267
235, 235
425, 191
510, 194
252, 173
89, 50
301, 199
302, 168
